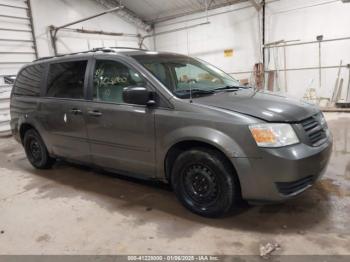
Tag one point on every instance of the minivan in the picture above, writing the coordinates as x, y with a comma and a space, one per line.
172, 118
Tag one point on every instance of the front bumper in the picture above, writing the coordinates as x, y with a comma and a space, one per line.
282, 173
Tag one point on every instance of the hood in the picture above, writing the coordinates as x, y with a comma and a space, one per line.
268, 106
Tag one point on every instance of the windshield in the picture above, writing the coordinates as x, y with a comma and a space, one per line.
181, 74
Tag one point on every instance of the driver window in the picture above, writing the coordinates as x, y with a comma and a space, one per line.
189, 74
110, 78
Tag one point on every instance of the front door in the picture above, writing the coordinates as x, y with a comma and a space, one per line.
63, 108
121, 135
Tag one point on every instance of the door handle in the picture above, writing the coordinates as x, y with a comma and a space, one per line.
76, 111
94, 113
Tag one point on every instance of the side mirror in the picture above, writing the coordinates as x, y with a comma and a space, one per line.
138, 96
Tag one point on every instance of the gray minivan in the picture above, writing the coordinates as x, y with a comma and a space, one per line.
173, 118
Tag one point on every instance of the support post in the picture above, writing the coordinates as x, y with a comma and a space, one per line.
285, 67
320, 65
263, 39
319, 38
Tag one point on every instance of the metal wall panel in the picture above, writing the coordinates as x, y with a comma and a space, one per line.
17, 47
5, 91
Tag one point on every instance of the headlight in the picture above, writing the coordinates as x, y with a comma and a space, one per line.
323, 120
324, 125
273, 135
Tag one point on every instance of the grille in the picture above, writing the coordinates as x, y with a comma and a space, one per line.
287, 188
314, 130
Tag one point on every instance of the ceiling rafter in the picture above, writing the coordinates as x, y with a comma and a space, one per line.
146, 13
256, 5
212, 5
127, 14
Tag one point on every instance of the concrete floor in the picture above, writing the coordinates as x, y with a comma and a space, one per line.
72, 210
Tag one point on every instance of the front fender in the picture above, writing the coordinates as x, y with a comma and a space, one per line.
207, 135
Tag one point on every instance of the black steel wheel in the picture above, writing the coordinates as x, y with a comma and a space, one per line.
200, 184
36, 151
205, 182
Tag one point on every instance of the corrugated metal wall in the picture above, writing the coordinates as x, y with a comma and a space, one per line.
5, 91
17, 47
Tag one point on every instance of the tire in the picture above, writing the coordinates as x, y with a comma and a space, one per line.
36, 150
205, 182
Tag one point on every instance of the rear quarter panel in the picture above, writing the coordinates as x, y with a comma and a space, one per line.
25, 110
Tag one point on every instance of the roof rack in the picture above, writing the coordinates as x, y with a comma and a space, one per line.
96, 49
126, 48
76, 53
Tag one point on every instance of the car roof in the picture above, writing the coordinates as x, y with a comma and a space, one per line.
116, 51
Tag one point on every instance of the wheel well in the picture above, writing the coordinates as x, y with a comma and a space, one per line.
180, 147
23, 129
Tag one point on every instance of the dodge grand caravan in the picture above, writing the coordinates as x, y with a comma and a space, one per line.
172, 118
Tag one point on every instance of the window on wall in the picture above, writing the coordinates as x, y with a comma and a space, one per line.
28, 81
110, 78
66, 80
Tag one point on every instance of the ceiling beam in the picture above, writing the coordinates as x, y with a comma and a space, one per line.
127, 14
213, 5
256, 5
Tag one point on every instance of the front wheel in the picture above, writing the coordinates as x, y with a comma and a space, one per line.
36, 151
205, 183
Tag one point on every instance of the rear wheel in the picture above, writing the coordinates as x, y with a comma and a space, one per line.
36, 150
204, 181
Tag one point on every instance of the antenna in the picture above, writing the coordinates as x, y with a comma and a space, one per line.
188, 56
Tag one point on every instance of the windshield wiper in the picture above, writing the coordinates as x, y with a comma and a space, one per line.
230, 88
187, 92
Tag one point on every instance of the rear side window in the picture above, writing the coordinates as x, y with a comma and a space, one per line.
28, 81
66, 80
